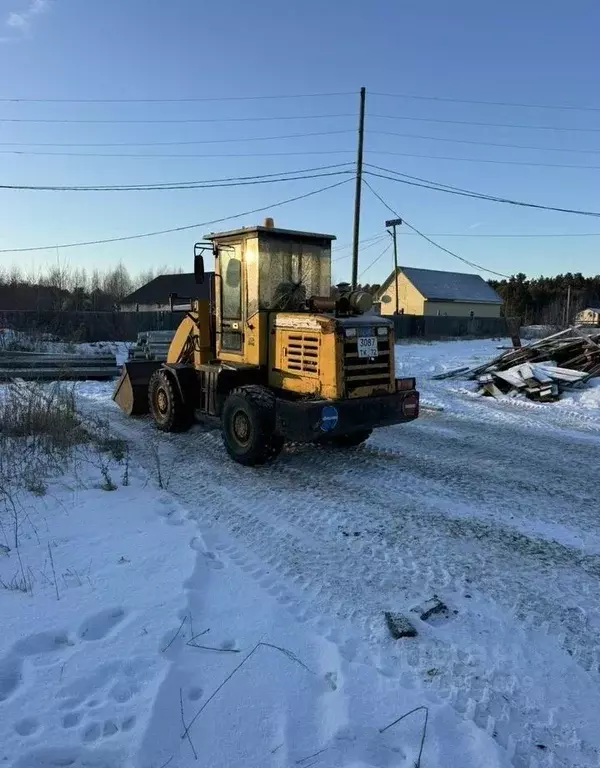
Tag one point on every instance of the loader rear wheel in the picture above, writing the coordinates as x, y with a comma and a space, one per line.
168, 410
248, 426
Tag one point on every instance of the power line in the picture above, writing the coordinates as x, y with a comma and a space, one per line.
485, 160
376, 259
486, 103
374, 236
146, 156
172, 143
175, 229
366, 247
189, 99
487, 125
484, 143
204, 184
416, 181
504, 234
168, 120
433, 242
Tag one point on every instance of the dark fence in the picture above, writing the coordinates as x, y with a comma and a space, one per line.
125, 326
434, 327
89, 326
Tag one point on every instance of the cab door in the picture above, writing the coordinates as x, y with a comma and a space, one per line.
231, 295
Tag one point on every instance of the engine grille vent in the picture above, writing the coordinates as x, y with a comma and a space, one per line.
364, 371
303, 353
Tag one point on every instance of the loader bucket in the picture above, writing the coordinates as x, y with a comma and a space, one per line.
131, 392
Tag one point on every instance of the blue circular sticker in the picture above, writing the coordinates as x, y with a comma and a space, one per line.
329, 418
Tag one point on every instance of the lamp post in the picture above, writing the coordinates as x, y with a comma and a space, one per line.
393, 223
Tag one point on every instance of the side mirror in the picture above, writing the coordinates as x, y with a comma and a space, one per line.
198, 263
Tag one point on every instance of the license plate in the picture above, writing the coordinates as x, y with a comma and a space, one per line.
367, 346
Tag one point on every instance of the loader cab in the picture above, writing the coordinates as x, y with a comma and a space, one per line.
254, 267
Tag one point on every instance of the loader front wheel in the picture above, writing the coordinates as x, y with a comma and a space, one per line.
248, 426
168, 410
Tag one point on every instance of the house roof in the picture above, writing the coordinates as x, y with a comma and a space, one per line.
157, 291
591, 309
436, 285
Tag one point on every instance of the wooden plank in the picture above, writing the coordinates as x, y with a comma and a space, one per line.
562, 374
541, 375
526, 373
450, 374
491, 389
511, 378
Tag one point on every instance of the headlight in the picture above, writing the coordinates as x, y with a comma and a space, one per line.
382, 330
350, 333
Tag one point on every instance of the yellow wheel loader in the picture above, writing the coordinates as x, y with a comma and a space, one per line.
271, 357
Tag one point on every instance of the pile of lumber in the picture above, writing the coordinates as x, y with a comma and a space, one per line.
48, 366
152, 345
541, 370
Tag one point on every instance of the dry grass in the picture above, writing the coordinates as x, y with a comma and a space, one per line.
39, 430
41, 438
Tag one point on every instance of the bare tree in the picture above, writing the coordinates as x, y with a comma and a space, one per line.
117, 283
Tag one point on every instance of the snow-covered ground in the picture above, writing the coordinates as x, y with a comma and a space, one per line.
137, 614
491, 505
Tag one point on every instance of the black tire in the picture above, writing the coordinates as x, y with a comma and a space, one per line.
168, 410
248, 426
353, 440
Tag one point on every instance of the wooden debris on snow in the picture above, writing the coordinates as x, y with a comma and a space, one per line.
450, 374
399, 625
543, 369
432, 607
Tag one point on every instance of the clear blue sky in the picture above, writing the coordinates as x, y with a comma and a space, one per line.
543, 52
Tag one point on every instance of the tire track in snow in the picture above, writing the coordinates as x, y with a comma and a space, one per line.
411, 542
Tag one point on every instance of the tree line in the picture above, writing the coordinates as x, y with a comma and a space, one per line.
541, 300
65, 288
548, 300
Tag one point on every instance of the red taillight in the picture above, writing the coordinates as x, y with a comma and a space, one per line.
404, 385
410, 405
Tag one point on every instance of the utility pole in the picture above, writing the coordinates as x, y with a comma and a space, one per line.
568, 307
395, 223
359, 164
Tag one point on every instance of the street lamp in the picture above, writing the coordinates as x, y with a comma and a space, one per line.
395, 223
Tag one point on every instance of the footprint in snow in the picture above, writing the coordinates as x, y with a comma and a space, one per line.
75, 757
34, 646
99, 730
109, 728
85, 687
123, 691
27, 727
44, 642
213, 561
91, 733
199, 545
101, 624
71, 719
10, 676
128, 723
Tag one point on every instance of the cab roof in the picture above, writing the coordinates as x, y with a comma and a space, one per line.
288, 234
